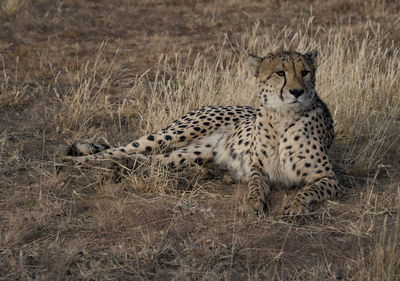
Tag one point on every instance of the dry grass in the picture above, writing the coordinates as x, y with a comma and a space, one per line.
108, 77
12, 7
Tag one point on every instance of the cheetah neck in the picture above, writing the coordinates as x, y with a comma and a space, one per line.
277, 117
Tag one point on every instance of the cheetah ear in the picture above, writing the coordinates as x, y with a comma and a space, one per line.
254, 63
313, 56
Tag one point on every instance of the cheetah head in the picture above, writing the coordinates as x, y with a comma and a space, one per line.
286, 80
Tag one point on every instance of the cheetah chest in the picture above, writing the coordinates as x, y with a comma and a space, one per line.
293, 156
267, 155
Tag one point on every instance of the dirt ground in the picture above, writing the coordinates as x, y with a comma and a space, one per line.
83, 225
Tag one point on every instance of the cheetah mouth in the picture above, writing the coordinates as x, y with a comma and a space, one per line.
292, 102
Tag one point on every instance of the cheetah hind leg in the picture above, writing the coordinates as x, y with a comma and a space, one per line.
197, 153
120, 167
78, 153
191, 155
181, 133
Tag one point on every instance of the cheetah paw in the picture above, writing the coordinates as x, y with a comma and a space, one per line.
253, 207
295, 210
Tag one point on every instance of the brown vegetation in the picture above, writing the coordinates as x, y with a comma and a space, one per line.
86, 70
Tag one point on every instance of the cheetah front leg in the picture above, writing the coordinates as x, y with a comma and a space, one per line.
259, 188
322, 189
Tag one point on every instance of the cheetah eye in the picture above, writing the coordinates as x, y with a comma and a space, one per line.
280, 73
305, 73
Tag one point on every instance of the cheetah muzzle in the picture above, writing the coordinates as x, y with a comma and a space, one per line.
283, 144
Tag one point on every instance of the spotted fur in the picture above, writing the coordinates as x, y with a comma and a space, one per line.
283, 144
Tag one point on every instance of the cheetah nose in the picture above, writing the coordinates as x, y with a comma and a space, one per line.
296, 92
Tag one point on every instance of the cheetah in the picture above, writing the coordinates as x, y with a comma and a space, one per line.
282, 144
